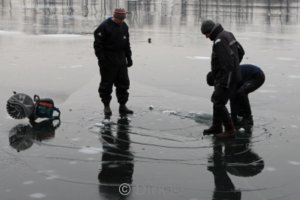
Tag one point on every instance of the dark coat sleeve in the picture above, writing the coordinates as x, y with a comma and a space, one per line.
223, 64
99, 35
128, 52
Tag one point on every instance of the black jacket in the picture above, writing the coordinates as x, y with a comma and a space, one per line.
112, 45
250, 72
224, 59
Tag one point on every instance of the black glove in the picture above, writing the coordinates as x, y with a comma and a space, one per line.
129, 62
210, 79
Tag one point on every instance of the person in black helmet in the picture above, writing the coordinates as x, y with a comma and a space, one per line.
252, 78
226, 74
112, 48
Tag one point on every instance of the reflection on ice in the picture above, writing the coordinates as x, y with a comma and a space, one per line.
72, 16
117, 164
23, 136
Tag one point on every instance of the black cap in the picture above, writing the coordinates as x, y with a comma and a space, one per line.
207, 26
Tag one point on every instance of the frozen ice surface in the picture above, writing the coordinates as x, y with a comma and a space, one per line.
47, 49
37, 195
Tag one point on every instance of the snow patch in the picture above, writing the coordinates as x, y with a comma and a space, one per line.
267, 91
198, 57
52, 177
61, 35
28, 182
90, 150
169, 112
294, 76
75, 139
294, 162
285, 58
270, 169
37, 195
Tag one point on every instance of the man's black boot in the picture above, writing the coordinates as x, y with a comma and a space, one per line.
124, 110
228, 133
247, 121
214, 129
107, 110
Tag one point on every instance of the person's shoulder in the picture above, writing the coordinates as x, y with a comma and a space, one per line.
124, 24
106, 22
221, 37
218, 41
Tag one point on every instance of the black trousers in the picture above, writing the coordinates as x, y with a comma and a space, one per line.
239, 103
220, 98
113, 75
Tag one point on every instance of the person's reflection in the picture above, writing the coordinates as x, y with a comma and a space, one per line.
234, 157
117, 159
22, 136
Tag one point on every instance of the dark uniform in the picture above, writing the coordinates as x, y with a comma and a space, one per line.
252, 78
112, 48
226, 74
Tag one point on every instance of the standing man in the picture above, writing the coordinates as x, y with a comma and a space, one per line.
226, 74
112, 48
252, 78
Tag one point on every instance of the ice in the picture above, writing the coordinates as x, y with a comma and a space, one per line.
73, 162
28, 182
47, 49
52, 177
90, 150
286, 59
294, 162
270, 169
37, 195
294, 76
267, 91
62, 35
198, 57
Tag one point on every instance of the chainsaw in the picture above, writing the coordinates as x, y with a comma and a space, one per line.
20, 106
